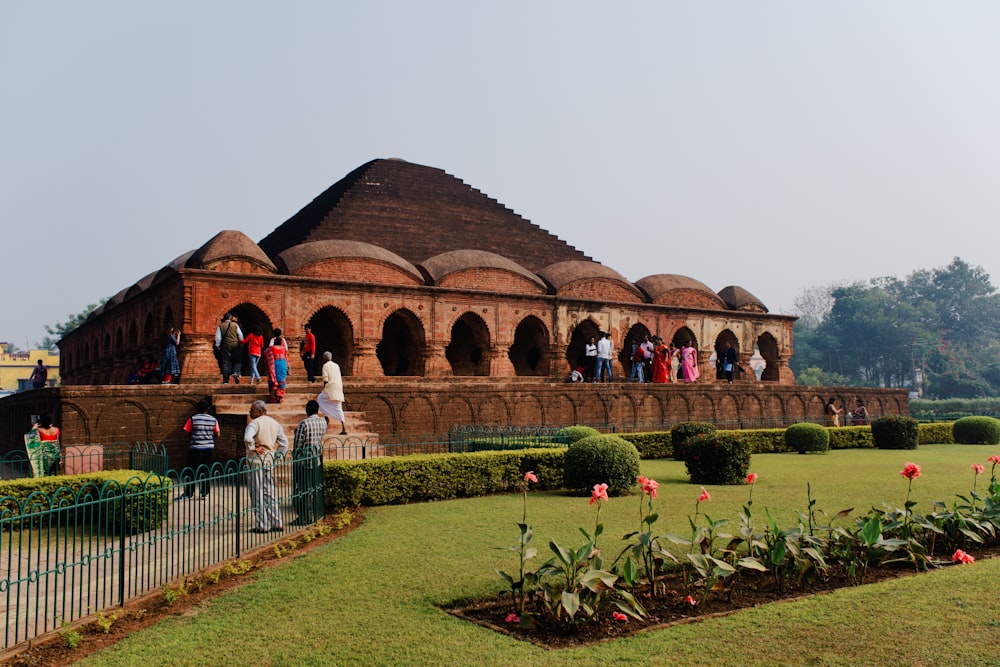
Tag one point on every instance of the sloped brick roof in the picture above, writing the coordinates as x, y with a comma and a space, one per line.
737, 298
293, 259
418, 212
439, 266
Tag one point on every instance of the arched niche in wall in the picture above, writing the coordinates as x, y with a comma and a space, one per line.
401, 350
468, 349
334, 334
527, 353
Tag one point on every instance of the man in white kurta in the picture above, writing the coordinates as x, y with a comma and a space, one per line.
265, 441
331, 399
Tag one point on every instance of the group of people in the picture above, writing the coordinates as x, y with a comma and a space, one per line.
651, 359
858, 416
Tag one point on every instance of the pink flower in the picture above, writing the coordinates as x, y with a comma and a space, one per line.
910, 471
619, 616
600, 493
704, 495
690, 600
649, 487
752, 478
513, 618
641, 481
530, 477
994, 459
978, 467
962, 557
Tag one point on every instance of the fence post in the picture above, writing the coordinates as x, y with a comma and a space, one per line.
121, 548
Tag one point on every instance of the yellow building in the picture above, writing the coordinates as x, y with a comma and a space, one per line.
16, 368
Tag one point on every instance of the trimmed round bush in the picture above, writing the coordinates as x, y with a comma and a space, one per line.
976, 431
806, 438
684, 432
601, 459
577, 433
717, 459
895, 432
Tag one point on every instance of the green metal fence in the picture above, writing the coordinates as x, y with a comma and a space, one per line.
149, 456
78, 550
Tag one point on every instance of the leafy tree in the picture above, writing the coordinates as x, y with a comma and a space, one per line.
60, 329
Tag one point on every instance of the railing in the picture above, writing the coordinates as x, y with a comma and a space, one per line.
77, 551
148, 456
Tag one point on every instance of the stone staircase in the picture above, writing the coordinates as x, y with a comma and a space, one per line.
360, 441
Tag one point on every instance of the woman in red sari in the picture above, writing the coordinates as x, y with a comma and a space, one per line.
661, 362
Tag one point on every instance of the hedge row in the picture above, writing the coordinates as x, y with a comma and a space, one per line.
656, 444
408, 479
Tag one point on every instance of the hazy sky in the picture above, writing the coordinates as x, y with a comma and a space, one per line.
773, 145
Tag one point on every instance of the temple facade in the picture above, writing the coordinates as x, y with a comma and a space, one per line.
404, 270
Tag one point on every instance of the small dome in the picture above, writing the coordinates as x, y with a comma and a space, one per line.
576, 279
230, 246
671, 289
295, 260
440, 266
737, 298
172, 268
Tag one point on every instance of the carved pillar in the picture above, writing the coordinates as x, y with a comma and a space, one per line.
366, 363
435, 362
500, 365
197, 358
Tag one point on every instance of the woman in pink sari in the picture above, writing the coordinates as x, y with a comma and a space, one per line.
689, 362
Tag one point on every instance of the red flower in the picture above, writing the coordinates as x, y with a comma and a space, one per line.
752, 478
513, 618
619, 616
690, 600
961, 557
910, 471
649, 487
600, 493
530, 477
704, 495
994, 459
978, 467
641, 481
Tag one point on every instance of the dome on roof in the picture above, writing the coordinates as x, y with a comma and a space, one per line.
737, 298
439, 266
676, 290
229, 246
569, 279
296, 259
141, 285
172, 268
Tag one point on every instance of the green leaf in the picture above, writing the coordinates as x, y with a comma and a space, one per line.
598, 580
749, 563
570, 602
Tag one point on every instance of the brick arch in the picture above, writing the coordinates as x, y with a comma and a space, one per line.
529, 351
649, 410
816, 406
403, 345
494, 410
725, 336
76, 425
119, 347
728, 411
418, 410
636, 332
591, 409
334, 331
752, 408
578, 338
683, 335
529, 410
149, 330
703, 404
767, 344
561, 410
457, 410
623, 404
468, 350
382, 410
794, 407
133, 335
120, 422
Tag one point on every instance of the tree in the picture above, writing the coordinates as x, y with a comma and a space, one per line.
60, 329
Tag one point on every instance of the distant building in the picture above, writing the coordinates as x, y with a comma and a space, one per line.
16, 368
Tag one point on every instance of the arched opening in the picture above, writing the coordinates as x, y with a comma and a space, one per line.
401, 350
576, 350
334, 334
726, 336
768, 347
636, 334
168, 318
527, 353
684, 336
149, 331
133, 337
119, 342
252, 319
468, 351
106, 352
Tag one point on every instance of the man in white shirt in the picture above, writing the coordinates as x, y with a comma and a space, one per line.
265, 441
605, 352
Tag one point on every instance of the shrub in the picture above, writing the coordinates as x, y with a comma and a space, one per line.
761, 441
655, 445
976, 431
850, 437
937, 433
895, 432
601, 459
717, 459
683, 432
577, 433
807, 438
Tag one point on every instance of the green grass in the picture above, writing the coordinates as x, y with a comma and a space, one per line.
372, 596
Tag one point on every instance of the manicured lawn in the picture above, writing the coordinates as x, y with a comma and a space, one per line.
371, 597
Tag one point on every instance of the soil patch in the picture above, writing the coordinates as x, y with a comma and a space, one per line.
53, 649
746, 589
